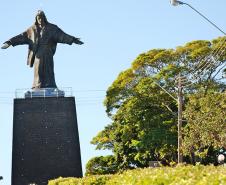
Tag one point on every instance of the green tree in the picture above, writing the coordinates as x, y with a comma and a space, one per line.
205, 130
101, 165
143, 114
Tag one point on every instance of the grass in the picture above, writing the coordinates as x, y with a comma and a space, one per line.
180, 175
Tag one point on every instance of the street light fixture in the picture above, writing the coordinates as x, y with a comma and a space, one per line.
176, 3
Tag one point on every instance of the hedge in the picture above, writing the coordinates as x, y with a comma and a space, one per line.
180, 175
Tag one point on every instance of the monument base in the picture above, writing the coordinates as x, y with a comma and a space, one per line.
45, 140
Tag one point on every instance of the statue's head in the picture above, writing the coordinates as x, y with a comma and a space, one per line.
40, 18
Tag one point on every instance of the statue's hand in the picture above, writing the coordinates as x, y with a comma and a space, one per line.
6, 45
77, 41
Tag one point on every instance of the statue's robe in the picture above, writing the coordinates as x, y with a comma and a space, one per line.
42, 45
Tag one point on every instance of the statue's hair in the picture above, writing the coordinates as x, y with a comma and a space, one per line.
41, 14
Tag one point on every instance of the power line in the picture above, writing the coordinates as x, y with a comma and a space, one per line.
212, 54
89, 90
206, 63
6, 97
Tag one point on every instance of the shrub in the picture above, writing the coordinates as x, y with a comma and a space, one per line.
182, 175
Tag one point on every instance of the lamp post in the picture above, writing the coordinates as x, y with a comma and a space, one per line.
176, 3
180, 93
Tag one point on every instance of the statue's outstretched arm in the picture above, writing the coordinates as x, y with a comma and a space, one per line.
62, 37
17, 40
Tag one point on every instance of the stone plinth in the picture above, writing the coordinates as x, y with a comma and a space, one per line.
45, 140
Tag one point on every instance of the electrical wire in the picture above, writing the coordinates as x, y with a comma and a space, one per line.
205, 67
80, 100
212, 54
207, 62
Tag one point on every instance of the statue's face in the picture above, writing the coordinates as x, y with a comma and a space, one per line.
40, 20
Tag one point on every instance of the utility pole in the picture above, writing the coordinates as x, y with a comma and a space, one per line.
179, 124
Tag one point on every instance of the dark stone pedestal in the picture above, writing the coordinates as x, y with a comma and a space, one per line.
45, 140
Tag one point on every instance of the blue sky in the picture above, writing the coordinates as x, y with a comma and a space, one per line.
115, 32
